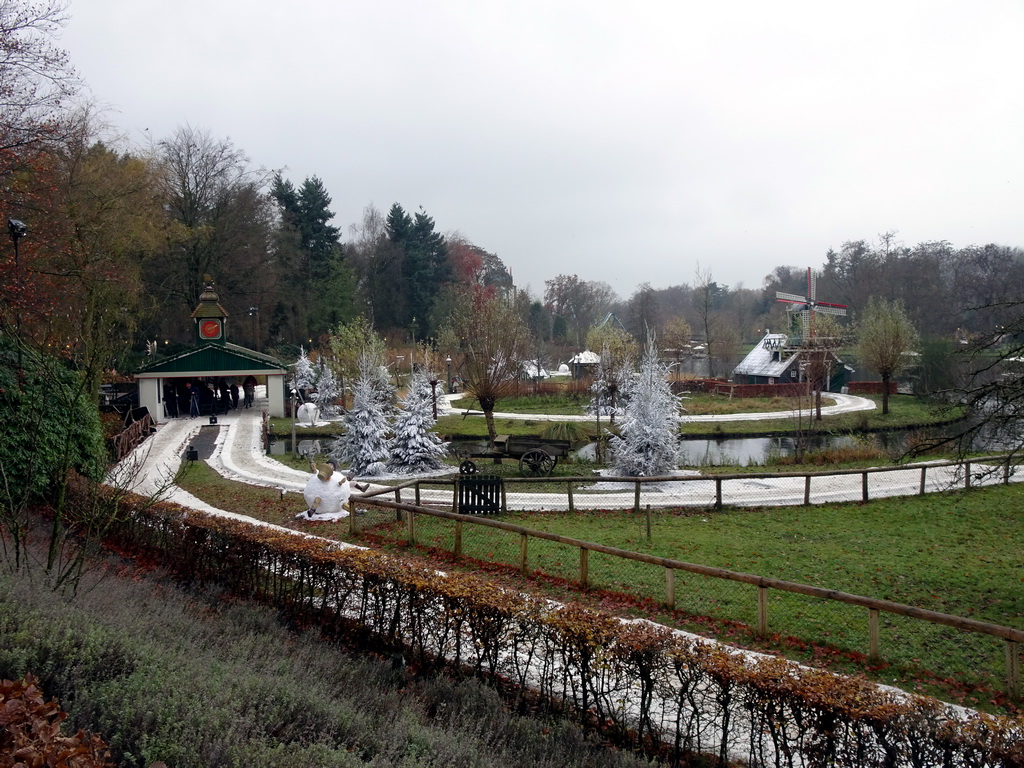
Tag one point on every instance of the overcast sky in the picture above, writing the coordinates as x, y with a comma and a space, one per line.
625, 141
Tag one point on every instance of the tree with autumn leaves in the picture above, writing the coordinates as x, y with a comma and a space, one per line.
490, 338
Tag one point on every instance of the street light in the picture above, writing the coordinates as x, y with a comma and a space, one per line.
17, 230
253, 312
449, 361
433, 391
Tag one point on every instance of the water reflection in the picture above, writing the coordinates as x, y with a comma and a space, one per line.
733, 451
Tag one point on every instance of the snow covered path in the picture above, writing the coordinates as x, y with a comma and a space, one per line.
238, 455
843, 404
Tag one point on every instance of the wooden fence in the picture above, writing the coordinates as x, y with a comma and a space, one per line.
124, 442
1013, 638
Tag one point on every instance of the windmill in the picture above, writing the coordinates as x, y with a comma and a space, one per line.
808, 304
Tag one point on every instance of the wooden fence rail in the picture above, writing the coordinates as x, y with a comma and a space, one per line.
1005, 464
124, 442
1013, 638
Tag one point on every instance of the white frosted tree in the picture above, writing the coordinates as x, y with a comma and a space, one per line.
611, 387
304, 375
415, 448
647, 444
366, 444
327, 393
603, 390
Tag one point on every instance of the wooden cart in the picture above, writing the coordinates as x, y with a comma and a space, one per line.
537, 456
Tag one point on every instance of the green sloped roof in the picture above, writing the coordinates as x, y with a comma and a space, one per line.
216, 358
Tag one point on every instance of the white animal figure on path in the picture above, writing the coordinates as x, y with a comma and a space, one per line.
326, 493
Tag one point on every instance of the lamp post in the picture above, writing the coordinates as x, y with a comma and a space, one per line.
398, 369
253, 312
433, 391
17, 230
449, 361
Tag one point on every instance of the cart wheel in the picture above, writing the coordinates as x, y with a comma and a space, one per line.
536, 462
467, 468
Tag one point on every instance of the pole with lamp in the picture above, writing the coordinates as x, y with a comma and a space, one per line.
253, 312
295, 393
398, 370
448, 360
17, 230
433, 392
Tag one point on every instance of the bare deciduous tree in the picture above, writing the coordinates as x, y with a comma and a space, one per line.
490, 340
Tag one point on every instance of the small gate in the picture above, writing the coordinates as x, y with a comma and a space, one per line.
479, 494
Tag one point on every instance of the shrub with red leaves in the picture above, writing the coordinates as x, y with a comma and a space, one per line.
30, 732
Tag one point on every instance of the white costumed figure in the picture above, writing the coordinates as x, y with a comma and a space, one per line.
326, 493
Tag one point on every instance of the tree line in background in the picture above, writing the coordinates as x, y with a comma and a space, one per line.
119, 241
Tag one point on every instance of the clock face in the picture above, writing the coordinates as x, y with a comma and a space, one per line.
209, 329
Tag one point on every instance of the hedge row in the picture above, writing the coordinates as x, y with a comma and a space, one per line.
649, 685
870, 387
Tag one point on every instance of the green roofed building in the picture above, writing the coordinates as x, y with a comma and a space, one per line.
208, 379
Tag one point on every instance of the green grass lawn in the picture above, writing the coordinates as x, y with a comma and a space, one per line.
955, 553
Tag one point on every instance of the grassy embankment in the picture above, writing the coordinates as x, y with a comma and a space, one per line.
163, 672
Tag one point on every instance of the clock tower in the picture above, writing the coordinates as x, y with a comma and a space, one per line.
210, 317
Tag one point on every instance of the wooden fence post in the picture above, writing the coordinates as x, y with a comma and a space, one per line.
455, 495
967, 476
874, 644
923, 472
458, 538
571, 509
636, 499
417, 486
864, 486
718, 493
670, 588
762, 611
1013, 670
412, 526
523, 539
584, 567
807, 490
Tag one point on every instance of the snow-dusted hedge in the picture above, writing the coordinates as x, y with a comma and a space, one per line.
640, 680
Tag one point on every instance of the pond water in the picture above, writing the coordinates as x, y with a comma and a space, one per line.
693, 453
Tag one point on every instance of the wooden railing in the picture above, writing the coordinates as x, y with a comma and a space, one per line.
968, 475
1013, 638
124, 442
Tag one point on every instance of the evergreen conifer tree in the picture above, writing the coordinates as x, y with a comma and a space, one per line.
366, 444
415, 448
326, 390
304, 376
649, 428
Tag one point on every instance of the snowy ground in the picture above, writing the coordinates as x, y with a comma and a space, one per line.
238, 455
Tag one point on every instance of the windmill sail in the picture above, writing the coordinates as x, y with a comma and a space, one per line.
808, 304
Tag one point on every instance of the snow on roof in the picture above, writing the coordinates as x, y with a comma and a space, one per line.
766, 359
